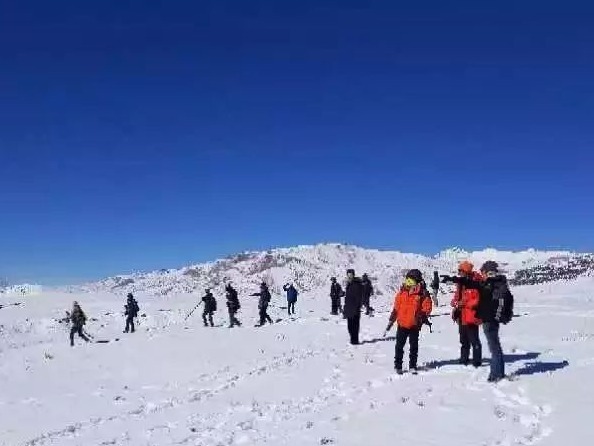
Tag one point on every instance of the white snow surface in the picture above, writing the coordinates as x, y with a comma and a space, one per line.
298, 381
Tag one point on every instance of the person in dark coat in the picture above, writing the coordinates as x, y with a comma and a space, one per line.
367, 293
352, 305
336, 293
263, 302
291, 297
210, 306
492, 295
233, 305
131, 311
78, 320
435, 288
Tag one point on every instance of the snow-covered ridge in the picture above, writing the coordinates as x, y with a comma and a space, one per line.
311, 266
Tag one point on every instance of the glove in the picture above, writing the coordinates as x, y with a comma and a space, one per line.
385, 334
446, 279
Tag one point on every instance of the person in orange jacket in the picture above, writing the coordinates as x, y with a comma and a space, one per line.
412, 306
465, 303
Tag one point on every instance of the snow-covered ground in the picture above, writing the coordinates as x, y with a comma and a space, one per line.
297, 382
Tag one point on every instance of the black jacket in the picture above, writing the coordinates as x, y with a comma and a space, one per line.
336, 291
265, 297
210, 303
492, 293
353, 298
367, 289
232, 299
132, 308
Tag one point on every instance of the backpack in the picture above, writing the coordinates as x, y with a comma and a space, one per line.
507, 312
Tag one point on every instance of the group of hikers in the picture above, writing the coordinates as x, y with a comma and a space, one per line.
481, 298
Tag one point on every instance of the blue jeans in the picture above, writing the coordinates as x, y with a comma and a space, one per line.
491, 330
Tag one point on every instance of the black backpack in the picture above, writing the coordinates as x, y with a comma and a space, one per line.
507, 312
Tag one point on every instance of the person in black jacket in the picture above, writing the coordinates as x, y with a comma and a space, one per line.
131, 311
263, 302
233, 305
78, 319
491, 310
210, 306
352, 305
367, 293
336, 293
435, 288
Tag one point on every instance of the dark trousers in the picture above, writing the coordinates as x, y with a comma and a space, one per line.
469, 337
264, 317
335, 305
233, 321
129, 324
76, 329
491, 330
353, 324
291, 308
208, 313
402, 334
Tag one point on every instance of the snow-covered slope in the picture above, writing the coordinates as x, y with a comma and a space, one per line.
310, 267
297, 382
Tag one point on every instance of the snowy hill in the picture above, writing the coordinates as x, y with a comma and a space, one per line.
296, 382
310, 267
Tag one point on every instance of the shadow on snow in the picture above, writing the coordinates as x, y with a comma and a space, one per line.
533, 368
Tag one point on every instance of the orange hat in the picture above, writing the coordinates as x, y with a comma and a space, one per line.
465, 267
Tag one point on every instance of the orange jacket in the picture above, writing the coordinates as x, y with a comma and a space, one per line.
412, 306
466, 300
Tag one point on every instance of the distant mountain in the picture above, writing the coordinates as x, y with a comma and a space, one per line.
310, 268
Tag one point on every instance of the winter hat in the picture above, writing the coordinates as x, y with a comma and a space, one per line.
130, 296
350, 271
415, 274
333, 279
465, 267
490, 267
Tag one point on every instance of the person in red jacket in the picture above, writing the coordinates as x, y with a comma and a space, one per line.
412, 306
465, 303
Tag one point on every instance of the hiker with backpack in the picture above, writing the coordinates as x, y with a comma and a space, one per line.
412, 307
291, 297
495, 307
210, 306
131, 312
78, 318
263, 302
435, 288
233, 305
465, 304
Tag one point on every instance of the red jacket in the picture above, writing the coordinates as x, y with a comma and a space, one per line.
411, 306
466, 300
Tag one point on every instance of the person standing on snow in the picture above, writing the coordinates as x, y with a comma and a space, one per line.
352, 305
78, 320
465, 304
495, 307
336, 294
367, 293
210, 306
263, 302
412, 306
291, 297
435, 288
233, 305
131, 311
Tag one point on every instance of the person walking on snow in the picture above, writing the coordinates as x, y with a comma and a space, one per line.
465, 304
495, 307
131, 312
263, 302
210, 306
367, 293
78, 320
291, 297
233, 305
352, 305
435, 288
336, 294
412, 305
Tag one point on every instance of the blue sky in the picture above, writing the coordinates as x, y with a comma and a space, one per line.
139, 135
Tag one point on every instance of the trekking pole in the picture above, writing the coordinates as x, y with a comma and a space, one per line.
192, 311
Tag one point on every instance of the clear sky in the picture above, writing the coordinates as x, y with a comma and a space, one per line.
137, 135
